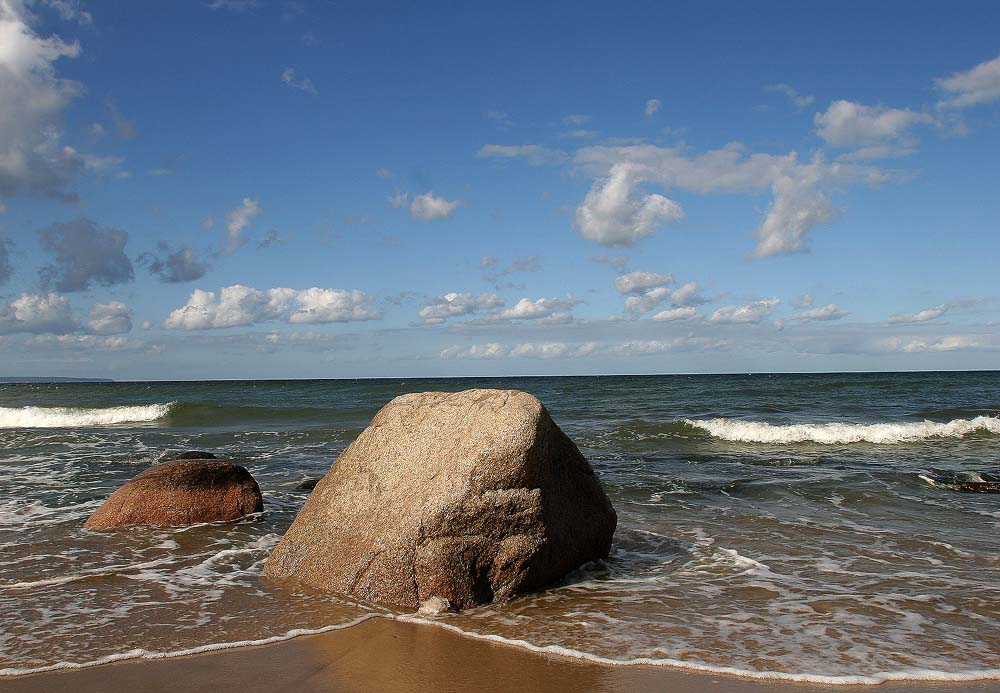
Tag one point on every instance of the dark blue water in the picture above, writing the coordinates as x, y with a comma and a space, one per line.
805, 525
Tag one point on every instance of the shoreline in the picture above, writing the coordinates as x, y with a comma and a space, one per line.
410, 654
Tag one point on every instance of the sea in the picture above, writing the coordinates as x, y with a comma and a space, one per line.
832, 528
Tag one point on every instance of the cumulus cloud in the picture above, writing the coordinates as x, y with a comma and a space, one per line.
798, 207
332, 305
644, 291
635, 282
652, 107
548, 309
453, 305
751, 313
426, 207
32, 101
823, 313
671, 314
877, 131
534, 154
110, 318
238, 220
979, 85
85, 254
304, 84
688, 295
798, 100
615, 214
640, 303
37, 313
239, 306
798, 188
932, 313
174, 265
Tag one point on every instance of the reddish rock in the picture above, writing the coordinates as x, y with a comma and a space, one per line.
178, 493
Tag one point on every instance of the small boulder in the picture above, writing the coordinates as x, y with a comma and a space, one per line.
307, 485
462, 498
181, 492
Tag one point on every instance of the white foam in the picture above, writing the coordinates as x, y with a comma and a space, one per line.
73, 417
841, 680
741, 431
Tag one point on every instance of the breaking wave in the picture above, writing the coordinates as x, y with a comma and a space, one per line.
738, 430
74, 417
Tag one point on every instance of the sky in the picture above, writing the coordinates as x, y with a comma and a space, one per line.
282, 188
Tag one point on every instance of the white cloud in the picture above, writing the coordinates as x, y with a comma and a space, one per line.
551, 350
577, 119
452, 305
823, 313
979, 85
932, 313
32, 101
612, 214
238, 306
634, 282
332, 305
534, 154
476, 351
110, 318
671, 314
426, 207
549, 309
652, 107
687, 295
647, 300
642, 347
646, 290
529, 350
751, 313
37, 313
305, 84
955, 342
89, 343
798, 100
877, 131
238, 220
798, 206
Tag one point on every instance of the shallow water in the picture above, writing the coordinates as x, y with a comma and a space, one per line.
799, 525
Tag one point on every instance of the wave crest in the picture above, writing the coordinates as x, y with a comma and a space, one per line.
740, 431
74, 417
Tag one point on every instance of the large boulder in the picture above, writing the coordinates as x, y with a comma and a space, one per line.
178, 493
469, 497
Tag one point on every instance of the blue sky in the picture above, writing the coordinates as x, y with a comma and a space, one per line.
229, 188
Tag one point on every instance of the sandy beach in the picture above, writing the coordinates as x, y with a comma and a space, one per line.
385, 655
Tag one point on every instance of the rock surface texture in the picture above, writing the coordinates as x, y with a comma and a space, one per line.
471, 497
179, 493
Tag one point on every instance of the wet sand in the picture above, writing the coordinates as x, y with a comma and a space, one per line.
384, 655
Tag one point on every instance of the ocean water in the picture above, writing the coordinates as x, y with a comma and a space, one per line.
808, 527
